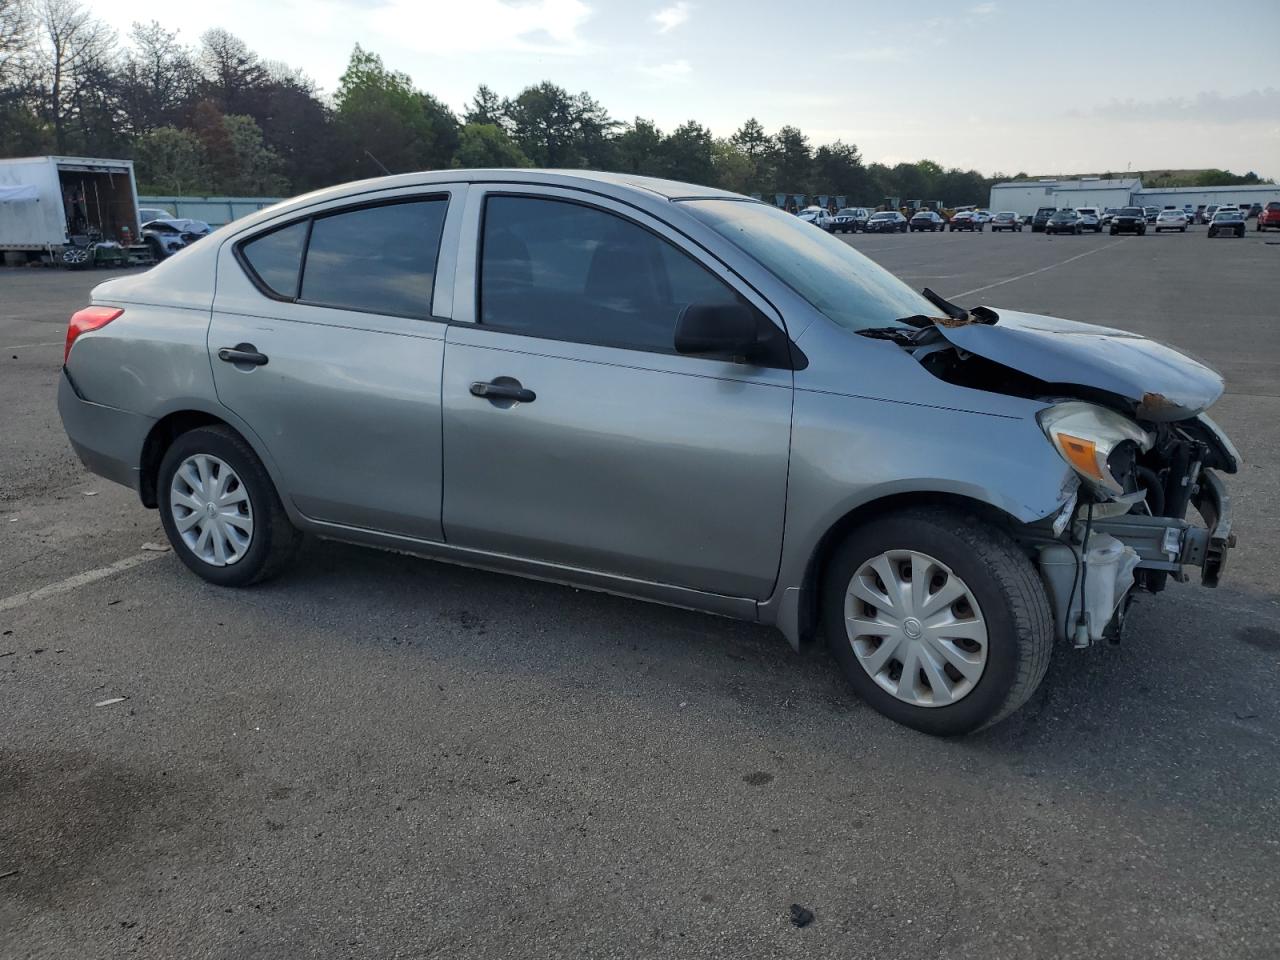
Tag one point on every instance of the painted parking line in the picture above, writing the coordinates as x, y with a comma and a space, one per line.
28, 346
1032, 273
79, 580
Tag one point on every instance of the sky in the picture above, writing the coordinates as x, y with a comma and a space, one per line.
1004, 85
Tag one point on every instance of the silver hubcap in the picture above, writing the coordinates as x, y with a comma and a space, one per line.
915, 627
211, 510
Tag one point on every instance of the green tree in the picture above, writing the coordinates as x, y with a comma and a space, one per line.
158, 79
838, 169
256, 170
793, 160
687, 154
379, 114
557, 129
751, 139
172, 161
734, 169
485, 108
638, 149
483, 145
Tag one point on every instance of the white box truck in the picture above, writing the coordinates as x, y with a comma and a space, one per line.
49, 205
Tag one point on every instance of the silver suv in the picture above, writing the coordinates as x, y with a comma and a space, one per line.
664, 391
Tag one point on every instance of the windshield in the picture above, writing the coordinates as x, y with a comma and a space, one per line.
884, 216
844, 285
847, 212
1227, 215
1131, 212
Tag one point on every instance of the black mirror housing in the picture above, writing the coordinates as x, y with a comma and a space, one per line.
727, 330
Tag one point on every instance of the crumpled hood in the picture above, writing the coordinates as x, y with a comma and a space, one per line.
1163, 384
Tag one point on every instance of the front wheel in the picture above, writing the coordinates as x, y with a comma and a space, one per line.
220, 510
938, 620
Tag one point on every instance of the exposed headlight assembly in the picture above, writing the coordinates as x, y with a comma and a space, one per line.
1086, 435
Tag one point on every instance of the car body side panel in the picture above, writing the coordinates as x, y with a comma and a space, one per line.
144, 358
653, 467
847, 452
348, 402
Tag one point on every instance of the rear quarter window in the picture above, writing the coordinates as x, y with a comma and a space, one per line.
275, 259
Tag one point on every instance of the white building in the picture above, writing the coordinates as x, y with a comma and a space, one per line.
1026, 196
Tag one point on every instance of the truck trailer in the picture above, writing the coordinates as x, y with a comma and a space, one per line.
61, 208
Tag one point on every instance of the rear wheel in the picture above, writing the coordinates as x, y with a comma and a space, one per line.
937, 619
221, 511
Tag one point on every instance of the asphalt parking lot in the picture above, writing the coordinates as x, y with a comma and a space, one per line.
378, 756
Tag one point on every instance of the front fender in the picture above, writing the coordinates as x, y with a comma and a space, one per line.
851, 452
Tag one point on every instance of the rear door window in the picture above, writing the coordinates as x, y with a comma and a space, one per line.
379, 259
567, 271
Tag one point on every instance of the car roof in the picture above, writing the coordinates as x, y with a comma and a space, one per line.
643, 190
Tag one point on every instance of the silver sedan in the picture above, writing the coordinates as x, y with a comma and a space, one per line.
664, 391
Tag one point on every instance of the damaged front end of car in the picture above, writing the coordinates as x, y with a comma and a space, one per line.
1126, 414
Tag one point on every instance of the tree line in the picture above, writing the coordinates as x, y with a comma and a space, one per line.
218, 119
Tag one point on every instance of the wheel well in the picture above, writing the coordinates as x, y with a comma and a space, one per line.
166, 430
811, 591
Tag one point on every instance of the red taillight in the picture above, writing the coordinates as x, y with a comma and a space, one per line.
82, 321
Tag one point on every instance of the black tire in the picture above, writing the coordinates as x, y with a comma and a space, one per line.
1114, 231
274, 540
1009, 592
1182, 230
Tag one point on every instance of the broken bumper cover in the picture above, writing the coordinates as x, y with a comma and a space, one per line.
1170, 544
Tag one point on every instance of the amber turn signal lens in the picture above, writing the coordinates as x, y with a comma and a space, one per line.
1081, 454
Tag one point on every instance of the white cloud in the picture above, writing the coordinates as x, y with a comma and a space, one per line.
983, 9
484, 26
668, 18
676, 70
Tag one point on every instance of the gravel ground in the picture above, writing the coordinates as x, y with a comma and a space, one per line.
377, 756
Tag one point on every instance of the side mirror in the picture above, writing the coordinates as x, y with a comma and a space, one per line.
729, 331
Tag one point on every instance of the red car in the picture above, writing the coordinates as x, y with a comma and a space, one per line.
1269, 217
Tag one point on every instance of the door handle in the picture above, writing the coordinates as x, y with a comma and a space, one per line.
503, 388
243, 353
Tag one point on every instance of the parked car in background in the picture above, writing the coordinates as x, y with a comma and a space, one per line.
1107, 214
1064, 221
819, 216
1041, 218
1254, 210
1189, 212
850, 220
196, 228
927, 220
1151, 213
163, 238
886, 221
1171, 220
1209, 211
1129, 220
1089, 219
982, 216
823, 448
965, 220
1269, 218
1227, 222
1006, 220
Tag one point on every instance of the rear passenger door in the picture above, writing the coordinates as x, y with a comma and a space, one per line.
338, 314
625, 457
